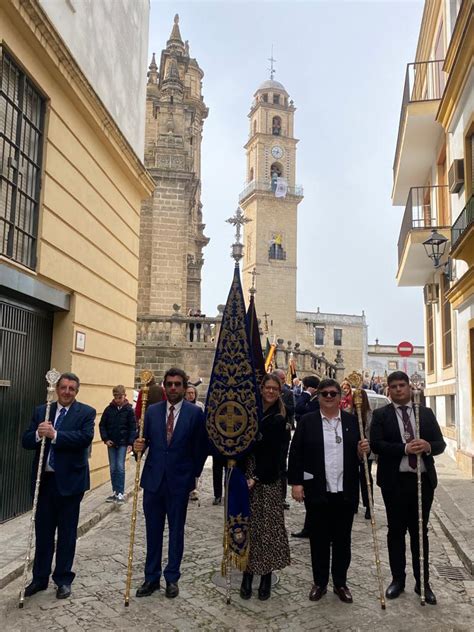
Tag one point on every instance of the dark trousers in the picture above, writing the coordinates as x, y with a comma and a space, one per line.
401, 505
61, 513
363, 483
330, 526
218, 470
159, 506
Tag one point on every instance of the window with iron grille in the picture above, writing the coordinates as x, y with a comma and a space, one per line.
430, 338
446, 324
337, 337
319, 335
21, 149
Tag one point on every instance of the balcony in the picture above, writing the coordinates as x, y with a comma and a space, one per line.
427, 208
268, 187
418, 130
462, 234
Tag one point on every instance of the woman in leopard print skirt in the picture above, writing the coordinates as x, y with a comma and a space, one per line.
268, 541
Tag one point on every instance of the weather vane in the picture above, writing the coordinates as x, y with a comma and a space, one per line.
238, 220
272, 69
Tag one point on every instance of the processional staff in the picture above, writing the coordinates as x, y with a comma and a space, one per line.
145, 378
52, 378
416, 387
355, 380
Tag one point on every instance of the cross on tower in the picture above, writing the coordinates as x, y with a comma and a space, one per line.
254, 274
266, 322
272, 69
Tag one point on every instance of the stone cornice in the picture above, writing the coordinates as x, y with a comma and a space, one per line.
41, 30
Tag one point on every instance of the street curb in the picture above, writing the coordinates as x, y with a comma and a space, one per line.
458, 541
15, 569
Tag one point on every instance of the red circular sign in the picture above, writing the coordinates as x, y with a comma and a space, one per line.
405, 349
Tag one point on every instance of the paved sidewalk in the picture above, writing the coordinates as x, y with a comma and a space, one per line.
14, 533
454, 508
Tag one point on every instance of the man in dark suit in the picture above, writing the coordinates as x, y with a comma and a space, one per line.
392, 435
176, 439
64, 479
324, 473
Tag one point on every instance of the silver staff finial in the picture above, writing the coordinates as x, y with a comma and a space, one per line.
238, 220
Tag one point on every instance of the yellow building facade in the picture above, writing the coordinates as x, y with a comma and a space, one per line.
70, 194
433, 178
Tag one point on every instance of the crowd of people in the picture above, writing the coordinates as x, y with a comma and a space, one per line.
322, 466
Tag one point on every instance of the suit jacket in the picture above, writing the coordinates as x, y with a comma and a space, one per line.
180, 462
306, 403
307, 458
386, 442
71, 449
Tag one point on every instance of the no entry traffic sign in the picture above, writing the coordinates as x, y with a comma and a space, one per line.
405, 349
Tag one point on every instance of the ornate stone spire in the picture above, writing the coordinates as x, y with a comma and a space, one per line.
152, 73
172, 82
175, 43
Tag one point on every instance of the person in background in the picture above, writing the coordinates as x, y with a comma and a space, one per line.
347, 404
288, 400
191, 396
117, 430
307, 402
268, 543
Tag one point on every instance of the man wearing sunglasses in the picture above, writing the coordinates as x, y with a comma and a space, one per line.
392, 433
324, 473
176, 439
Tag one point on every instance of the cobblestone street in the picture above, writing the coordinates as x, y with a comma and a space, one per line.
97, 598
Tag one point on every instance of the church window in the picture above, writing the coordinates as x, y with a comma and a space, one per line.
338, 337
255, 127
319, 335
276, 126
276, 99
251, 174
276, 172
276, 250
171, 99
265, 98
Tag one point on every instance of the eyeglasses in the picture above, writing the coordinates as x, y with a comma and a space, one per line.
329, 393
169, 384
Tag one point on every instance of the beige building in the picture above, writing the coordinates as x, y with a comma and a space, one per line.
384, 359
71, 184
433, 177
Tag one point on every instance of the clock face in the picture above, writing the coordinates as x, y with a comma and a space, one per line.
277, 152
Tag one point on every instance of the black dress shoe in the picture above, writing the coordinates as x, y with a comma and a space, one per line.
343, 593
429, 594
317, 592
246, 586
265, 587
172, 590
286, 505
147, 589
34, 587
64, 591
367, 514
304, 533
394, 590
217, 500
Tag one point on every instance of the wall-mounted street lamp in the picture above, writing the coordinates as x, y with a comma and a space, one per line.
435, 247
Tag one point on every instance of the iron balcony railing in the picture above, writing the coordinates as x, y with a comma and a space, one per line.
426, 208
424, 81
268, 187
463, 222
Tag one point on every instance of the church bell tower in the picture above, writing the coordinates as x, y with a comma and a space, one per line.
270, 199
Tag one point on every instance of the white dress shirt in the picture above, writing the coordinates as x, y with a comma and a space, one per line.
404, 465
333, 453
177, 410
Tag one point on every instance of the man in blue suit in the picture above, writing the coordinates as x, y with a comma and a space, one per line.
176, 439
64, 479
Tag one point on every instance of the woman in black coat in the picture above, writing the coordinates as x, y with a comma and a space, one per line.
117, 430
268, 542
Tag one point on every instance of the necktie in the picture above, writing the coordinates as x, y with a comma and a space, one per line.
170, 425
408, 434
59, 420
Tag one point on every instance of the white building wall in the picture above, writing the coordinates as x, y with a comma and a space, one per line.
109, 40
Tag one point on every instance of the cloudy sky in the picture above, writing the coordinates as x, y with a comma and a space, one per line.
343, 64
